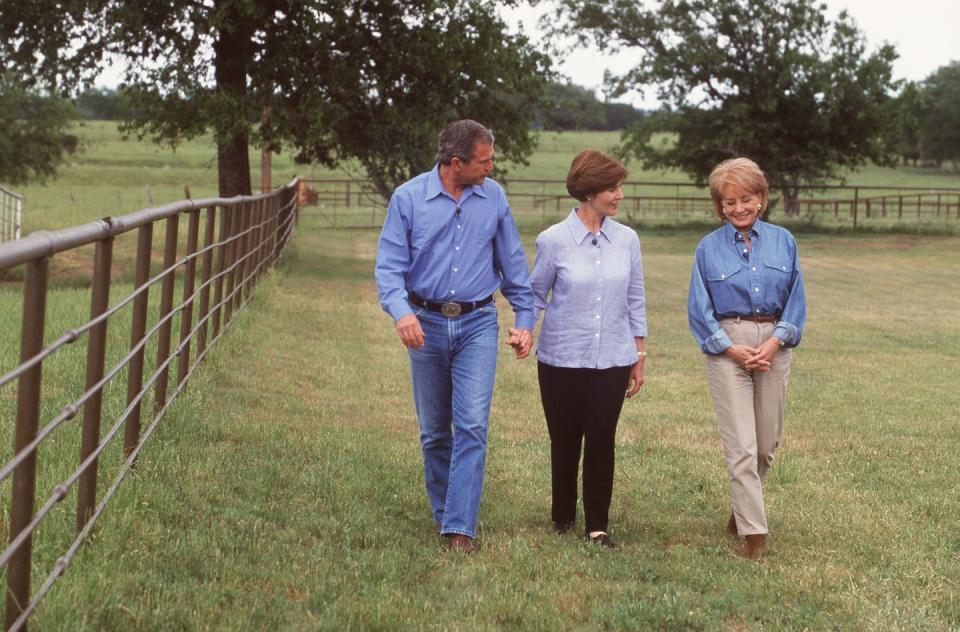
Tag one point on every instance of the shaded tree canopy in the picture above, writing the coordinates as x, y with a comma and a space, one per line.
573, 107
373, 80
775, 81
33, 133
939, 114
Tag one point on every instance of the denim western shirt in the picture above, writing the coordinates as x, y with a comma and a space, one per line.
445, 250
728, 280
596, 305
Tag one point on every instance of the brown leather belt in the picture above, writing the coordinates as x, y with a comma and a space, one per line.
450, 309
757, 318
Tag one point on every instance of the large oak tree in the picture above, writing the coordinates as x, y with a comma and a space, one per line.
776, 81
373, 80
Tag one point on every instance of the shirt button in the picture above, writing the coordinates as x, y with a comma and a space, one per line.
598, 315
596, 335
756, 289
758, 311
754, 268
784, 268
723, 276
456, 247
744, 251
598, 261
458, 225
598, 298
456, 269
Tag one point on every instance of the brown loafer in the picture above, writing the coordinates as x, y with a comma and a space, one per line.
732, 525
753, 546
460, 543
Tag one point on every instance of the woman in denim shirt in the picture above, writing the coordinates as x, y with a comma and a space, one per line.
746, 308
588, 280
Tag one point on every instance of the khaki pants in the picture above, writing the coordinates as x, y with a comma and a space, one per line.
749, 407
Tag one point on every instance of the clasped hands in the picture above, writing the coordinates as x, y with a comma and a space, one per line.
755, 358
521, 340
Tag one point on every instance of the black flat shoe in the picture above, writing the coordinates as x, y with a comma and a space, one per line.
603, 540
563, 527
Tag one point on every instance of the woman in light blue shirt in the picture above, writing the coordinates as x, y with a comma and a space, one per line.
588, 281
746, 308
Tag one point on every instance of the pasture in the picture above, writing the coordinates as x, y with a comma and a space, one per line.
285, 491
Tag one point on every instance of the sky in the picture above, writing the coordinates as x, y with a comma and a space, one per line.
924, 32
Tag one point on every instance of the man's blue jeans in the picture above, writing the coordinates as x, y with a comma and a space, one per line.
453, 374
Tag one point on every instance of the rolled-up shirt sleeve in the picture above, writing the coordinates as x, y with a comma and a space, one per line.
701, 315
511, 262
393, 261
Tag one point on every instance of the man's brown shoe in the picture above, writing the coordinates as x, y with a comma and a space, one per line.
732, 525
460, 543
753, 546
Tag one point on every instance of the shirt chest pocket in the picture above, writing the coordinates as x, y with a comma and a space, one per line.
721, 273
777, 274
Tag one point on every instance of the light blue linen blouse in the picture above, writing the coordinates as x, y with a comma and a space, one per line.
590, 288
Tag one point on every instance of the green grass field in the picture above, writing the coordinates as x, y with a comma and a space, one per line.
285, 490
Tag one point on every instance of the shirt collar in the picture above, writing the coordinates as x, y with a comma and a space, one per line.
435, 186
732, 234
578, 229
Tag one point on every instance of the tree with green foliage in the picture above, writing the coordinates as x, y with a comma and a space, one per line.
34, 136
909, 111
571, 107
373, 80
775, 81
940, 114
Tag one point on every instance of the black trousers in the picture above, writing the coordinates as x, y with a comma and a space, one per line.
582, 407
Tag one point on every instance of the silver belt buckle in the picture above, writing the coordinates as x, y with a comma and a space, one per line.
451, 309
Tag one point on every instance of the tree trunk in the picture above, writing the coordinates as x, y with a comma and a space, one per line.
233, 56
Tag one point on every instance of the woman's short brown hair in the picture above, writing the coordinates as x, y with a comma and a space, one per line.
593, 171
741, 172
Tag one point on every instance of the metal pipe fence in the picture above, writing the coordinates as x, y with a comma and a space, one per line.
356, 204
11, 214
216, 271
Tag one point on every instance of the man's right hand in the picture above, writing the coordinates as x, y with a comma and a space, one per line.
411, 335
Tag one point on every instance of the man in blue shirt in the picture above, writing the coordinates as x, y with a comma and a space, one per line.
448, 243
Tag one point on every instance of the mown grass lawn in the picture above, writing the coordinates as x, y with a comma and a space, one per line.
285, 489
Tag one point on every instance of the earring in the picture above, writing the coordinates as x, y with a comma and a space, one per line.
759, 206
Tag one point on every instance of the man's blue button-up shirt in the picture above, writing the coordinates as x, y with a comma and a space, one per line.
449, 250
729, 279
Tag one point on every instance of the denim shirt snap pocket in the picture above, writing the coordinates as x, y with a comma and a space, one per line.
721, 273
779, 265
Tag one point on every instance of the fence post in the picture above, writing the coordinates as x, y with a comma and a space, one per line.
938, 205
900, 207
223, 262
230, 258
856, 200
138, 328
166, 305
189, 281
206, 273
96, 350
28, 413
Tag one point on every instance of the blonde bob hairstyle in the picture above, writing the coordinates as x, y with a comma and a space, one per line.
593, 171
740, 172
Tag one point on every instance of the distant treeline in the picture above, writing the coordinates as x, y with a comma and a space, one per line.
573, 108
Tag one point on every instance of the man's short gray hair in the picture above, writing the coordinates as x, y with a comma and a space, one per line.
459, 139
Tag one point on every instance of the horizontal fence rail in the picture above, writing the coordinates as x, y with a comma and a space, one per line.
225, 246
356, 203
11, 214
